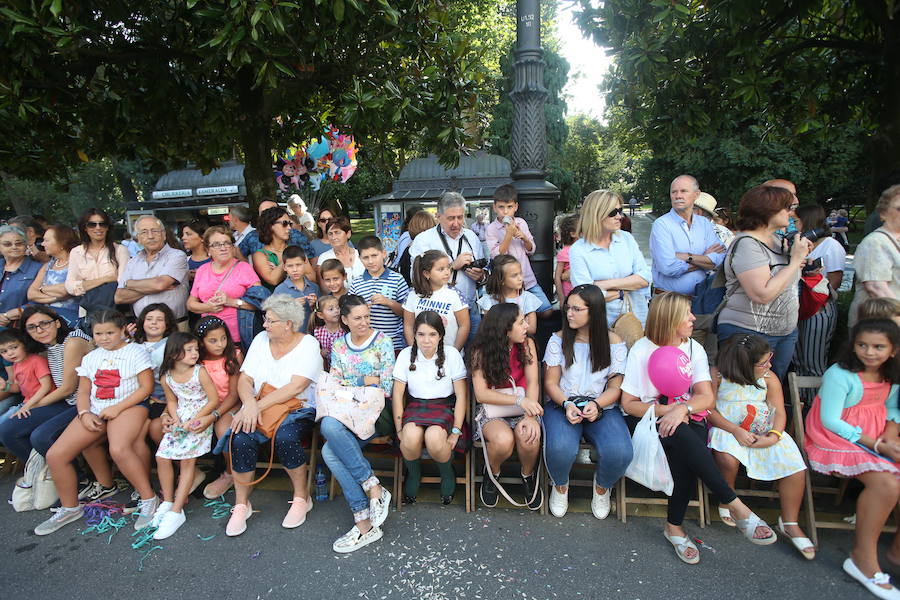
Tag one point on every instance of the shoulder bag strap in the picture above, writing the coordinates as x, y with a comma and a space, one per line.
892, 238
227, 275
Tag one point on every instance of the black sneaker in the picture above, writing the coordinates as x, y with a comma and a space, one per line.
96, 492
534, 496
489, 492
409, 499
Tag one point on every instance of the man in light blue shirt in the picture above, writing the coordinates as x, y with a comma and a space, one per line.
684, 246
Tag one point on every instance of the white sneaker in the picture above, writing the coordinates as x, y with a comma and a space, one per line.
354, 540
379, 508
146, 509
559, 502
60, 518
161, 511
600, 503
169, 524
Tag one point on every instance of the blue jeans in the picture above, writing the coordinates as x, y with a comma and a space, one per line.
539, 292
46, 435
608, 435
782, 346
343, 455
16, 434
474, 320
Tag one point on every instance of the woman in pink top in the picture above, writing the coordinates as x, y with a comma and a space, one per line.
98, 260
220, 284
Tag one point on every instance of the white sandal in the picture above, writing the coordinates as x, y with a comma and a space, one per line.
800, 543
872, 583
749, 526
682, 544
725, 516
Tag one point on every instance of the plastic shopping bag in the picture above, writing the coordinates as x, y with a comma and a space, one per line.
649, 467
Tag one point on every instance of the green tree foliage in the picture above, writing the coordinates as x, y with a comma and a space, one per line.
745, 89
173, 81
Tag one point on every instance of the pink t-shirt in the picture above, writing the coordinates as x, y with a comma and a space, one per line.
28, 372
563, 257
206, 282
220, 378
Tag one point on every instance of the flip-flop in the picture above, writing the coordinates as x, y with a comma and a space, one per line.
725, 516
749, 526
800, 543
681, 545
872, 583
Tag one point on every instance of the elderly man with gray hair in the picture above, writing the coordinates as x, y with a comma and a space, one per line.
462, 246
156, 274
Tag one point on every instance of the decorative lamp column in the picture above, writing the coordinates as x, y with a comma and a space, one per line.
537, 197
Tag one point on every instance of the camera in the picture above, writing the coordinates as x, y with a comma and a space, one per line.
813, 235
478, 263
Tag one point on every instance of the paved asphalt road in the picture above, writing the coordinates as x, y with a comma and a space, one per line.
428, 552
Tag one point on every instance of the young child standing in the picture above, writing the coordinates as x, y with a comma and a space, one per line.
327, 326
429, 404
296, 285
561, 276
748, 429
221, 358
851, 430
431, 274
114, 383
334, 277
151, 330
191, 397
385, 290
509, 234
504, 284
31, 373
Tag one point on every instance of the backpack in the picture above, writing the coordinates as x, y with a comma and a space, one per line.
35, 489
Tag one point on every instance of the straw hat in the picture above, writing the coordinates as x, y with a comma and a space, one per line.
706, 202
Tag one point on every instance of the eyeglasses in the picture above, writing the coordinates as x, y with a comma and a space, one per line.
96, 224
767, 362
268, 321
19, 244
145, 232
220, 245
576, 309
615, 213
324, 220
39, 326
285, 223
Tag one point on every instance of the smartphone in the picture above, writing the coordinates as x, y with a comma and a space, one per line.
812, 265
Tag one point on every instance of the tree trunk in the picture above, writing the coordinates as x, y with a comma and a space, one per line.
886, 141
255, 140
126, 185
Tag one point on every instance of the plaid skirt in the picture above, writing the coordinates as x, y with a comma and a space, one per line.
435, 411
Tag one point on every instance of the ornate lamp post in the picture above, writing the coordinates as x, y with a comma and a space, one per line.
537, 196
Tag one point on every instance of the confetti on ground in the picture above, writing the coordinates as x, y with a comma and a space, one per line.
207, 538
255, 554
220, 508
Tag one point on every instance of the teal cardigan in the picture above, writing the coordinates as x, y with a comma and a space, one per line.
842, 389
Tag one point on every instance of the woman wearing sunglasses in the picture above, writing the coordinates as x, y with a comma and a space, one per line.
95, 265
274, 229
609, 257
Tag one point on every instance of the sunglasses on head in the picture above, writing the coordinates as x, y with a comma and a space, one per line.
615, 212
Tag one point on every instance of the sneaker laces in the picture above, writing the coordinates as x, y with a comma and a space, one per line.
144, 504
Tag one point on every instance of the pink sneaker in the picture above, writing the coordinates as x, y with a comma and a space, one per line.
218, 487
296, 514
237, 524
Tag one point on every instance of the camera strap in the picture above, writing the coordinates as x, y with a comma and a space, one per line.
462, 238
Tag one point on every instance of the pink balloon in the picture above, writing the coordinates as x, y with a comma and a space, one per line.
670, 371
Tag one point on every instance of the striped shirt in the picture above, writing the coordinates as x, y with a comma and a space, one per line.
391, 285
55, 358
113, 374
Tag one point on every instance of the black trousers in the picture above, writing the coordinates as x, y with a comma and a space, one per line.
689, 458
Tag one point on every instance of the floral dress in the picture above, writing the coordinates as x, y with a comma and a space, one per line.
180, 443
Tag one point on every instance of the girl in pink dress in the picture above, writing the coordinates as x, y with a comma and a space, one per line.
568, 237
852, 430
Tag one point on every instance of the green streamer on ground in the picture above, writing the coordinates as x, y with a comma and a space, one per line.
107, 525
147, 553
207, 538
220, 508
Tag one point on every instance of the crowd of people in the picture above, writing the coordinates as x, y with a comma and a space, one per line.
248, 336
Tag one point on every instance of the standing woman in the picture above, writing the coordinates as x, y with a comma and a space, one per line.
49, 287
220, 284
192, 240
503, 354
320, 243
363, 357
19, 271
877, 258
609, 257
584, 366
814, 334
339, 231
274, 229
96, 265
682, 423
761, 277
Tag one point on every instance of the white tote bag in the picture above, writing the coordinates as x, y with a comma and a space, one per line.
649, 466
35, 489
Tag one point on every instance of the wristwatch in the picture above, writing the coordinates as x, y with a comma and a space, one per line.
690, 259
216, 415
239, 303
456, 431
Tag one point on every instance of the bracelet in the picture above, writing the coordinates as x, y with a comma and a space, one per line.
776, 432
216, 415
566, 404
519, 400
875, 446
81, 413
7, 386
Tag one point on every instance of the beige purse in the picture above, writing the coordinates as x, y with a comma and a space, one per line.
627, 326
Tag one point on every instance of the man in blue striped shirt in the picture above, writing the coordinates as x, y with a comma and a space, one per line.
684, 246
385, 290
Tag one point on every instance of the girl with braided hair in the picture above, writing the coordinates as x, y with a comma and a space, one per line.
430, 380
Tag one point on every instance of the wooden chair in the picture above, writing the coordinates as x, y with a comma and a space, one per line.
588, 482
465, 479
476, 478
795, 384
380, 448
10, 464
660, 499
